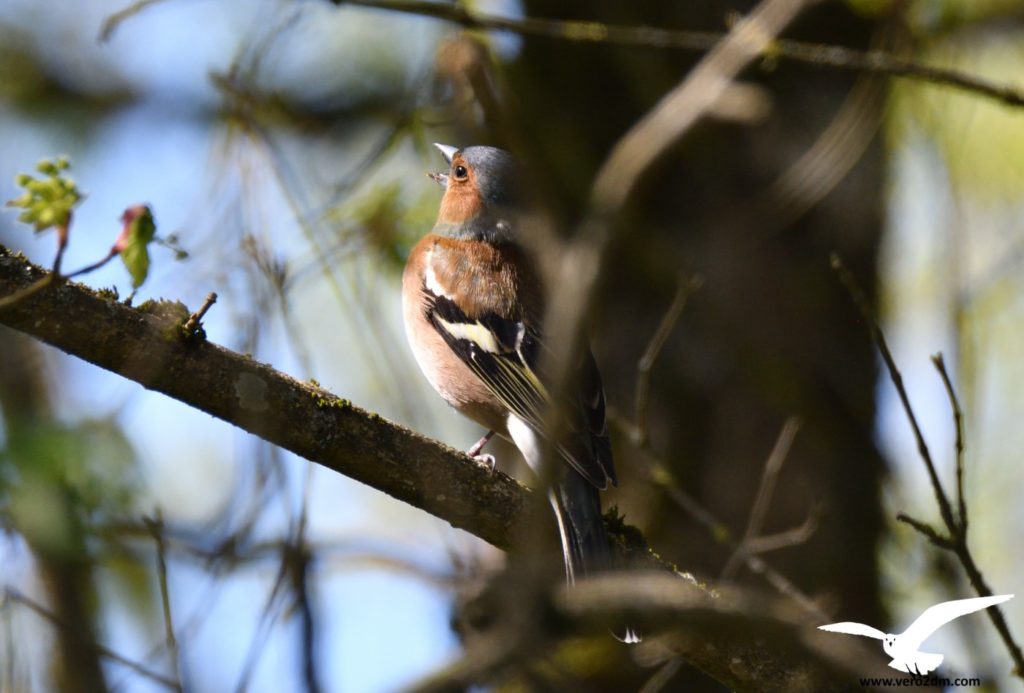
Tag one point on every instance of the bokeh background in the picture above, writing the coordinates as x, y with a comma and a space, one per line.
283, 145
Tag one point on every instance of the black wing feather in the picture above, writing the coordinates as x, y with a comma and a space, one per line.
508, 367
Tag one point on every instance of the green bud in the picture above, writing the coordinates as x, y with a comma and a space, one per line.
23, 200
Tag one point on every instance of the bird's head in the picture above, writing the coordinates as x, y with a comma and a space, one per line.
481, 185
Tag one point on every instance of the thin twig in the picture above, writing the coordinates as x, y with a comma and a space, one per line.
958, 421
818, 55
659, 473
581, 260
192, 324
956, 542
63, 230
643, 369
927, 530
765, 492
268, 616
785, 539
114, 21
16, 596
868, 313
30, 290
94, 266
156, 529
54, 277
662, 676
719, 531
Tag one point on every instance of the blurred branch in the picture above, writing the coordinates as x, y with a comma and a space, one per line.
684, 290
112, 22
956, 525
155, 526
723, 633
19, 598
660, 475
818, 55
582, 258
747, 550
770, 475
815, 54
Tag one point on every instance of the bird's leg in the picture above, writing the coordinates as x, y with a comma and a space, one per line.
474, 451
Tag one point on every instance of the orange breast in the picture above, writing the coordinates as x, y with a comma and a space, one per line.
444, 370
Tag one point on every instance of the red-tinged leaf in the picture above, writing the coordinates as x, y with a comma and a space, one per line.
133, 242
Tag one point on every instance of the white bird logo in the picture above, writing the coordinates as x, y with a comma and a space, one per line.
903, 648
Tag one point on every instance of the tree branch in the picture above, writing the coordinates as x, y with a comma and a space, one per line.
818, 55
742, 638
956, 525
147, 345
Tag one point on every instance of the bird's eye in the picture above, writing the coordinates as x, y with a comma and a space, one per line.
460, 172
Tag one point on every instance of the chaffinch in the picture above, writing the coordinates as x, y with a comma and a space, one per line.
473, 305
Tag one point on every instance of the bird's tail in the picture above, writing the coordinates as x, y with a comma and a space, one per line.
585, 547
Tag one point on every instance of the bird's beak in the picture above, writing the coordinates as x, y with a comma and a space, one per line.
447, 151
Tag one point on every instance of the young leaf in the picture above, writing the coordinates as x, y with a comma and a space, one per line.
133, 242
47, 201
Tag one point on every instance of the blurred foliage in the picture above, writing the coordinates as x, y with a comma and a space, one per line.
930, 16
47, 201
89, 466
982, 143
21, 76
386, 221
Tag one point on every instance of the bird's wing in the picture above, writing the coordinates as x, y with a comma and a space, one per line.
939, 615
504, 354
851, 628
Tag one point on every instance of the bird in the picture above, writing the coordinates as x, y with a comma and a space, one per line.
473, 305
905, 647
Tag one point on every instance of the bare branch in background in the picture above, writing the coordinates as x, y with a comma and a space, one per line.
772, 468
156, 529
582, 257
19, 598
684, 290
816, 54
747, 550
956, 525
723, 633
958, 422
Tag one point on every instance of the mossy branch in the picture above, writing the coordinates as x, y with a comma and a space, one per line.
148, 345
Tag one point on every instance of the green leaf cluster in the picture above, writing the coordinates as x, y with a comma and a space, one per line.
48, 200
